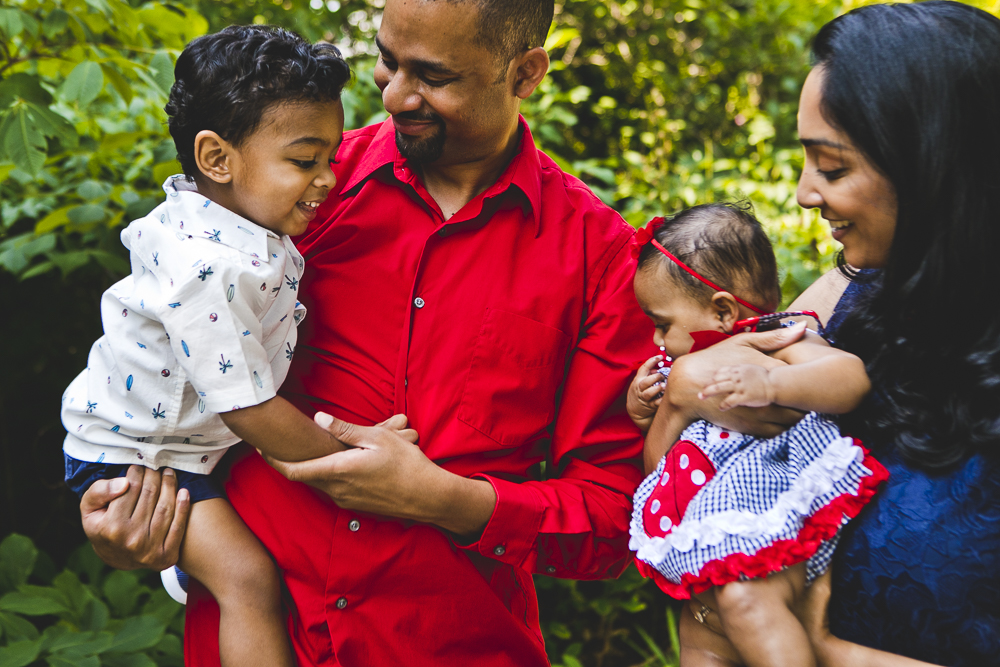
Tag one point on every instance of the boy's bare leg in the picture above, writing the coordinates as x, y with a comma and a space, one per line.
757, 618
702, 646
221, 552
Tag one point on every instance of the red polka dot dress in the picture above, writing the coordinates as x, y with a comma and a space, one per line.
722, 506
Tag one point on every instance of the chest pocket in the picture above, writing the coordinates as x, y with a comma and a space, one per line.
518, 364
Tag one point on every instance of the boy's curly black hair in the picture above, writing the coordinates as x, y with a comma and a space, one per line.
226, 81
725, 243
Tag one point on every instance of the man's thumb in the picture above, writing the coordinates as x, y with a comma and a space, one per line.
768, 341
343, 431
101, 493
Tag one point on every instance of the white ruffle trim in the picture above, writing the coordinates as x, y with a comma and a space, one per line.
817, 480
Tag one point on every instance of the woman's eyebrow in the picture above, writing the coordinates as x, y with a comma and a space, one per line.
806, 143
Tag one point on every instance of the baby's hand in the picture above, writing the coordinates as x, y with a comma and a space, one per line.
747, 385
645, 393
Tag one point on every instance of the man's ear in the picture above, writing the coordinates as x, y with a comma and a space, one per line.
529, 70
726, 309
213, 155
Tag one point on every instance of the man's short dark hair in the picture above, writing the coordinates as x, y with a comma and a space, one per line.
226, 81
510, 27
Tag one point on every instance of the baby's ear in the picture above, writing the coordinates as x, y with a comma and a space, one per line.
726, 309
213, 155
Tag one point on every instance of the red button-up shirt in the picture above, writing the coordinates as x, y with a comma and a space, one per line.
508, 335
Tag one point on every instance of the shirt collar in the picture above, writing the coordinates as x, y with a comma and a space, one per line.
524, 171
202, 218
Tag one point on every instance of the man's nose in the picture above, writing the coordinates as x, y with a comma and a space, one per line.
400, 94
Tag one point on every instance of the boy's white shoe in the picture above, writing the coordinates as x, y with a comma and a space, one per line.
175, 581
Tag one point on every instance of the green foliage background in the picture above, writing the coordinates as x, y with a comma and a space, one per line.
656, 104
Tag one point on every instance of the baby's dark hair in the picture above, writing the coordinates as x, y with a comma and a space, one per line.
226, 81
726, 244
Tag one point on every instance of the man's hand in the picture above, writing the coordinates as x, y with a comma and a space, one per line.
645, 393
384, 473
136, 521
692, 373
747, 385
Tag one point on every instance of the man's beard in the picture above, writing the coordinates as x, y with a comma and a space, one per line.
425, 149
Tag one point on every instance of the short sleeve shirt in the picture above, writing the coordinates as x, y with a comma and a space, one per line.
205, 323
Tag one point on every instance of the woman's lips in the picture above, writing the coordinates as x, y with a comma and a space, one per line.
838, 232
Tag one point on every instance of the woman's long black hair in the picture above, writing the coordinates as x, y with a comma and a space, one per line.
917, 89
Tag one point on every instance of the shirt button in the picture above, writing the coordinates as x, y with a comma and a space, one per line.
354, 525
341, 603
551, 569
418, 302
499, 551
204, 459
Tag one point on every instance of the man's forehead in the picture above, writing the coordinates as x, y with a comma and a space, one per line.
433, 31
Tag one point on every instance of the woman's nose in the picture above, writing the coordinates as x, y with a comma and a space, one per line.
806, 193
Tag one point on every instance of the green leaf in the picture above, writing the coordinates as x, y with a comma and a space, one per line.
137, 634
74, 661
118, 82
53, 220
162, 68
53, 125
38, 270
68, 584
17, 556
27, 87
86, 214
23, 142
95, 615
17, 628
33, 603
162, 172
83, 84
70, 261
5, 170
19, 654
122, 591
11, 22
127, 660
55, 22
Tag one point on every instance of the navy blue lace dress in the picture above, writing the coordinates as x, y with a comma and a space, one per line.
917, 573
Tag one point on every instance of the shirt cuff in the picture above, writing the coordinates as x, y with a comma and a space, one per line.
511, 533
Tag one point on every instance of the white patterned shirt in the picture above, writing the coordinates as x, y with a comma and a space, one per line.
206, 323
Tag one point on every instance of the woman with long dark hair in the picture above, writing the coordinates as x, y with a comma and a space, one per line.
900, 121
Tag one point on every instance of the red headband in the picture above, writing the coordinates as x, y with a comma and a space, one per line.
646, 235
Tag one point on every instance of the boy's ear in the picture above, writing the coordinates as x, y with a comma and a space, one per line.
213, 155
530, 68
726, 309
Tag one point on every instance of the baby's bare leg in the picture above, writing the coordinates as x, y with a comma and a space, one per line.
221, 552
757, 618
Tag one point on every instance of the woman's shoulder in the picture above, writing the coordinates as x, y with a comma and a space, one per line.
823, 295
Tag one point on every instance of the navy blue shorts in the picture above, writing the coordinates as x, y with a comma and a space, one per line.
81, 474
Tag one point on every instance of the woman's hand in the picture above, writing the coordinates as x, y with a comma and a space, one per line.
692, 373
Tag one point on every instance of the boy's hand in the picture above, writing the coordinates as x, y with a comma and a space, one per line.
645, 393
747, 385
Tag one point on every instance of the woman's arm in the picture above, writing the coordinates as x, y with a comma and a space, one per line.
832, 651
817, 377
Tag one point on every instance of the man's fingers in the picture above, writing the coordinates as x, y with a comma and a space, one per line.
345, 432
163, 513
122, 508
395, 422
178, 524
769, 341
148, 496
101, 493
408, 434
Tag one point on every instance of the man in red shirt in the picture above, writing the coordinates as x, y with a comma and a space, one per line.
457, 275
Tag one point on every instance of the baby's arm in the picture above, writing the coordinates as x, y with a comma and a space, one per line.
278, 429
817, 378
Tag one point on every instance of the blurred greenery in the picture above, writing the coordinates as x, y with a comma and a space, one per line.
655, 104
